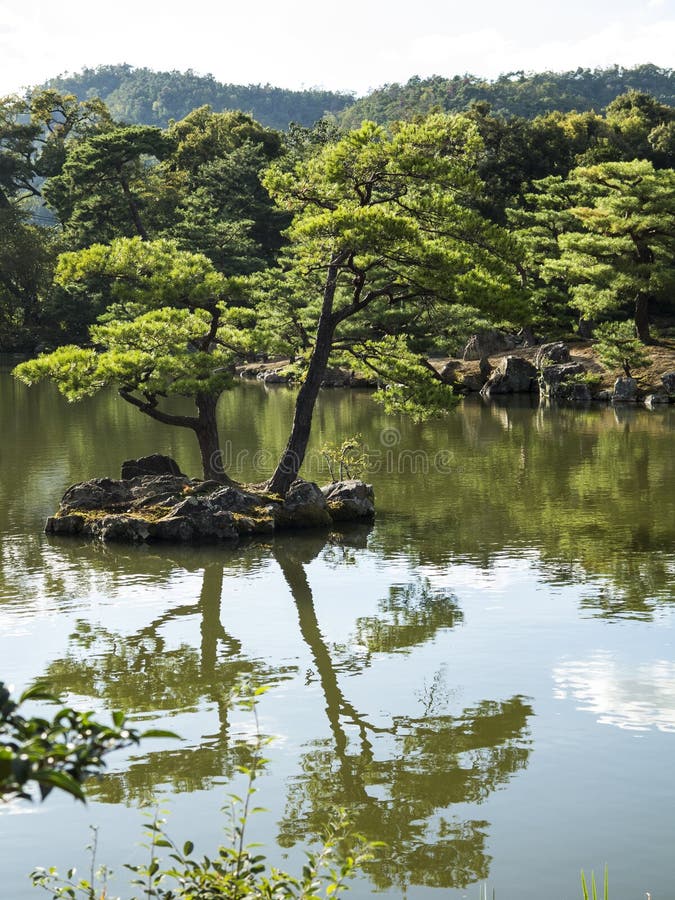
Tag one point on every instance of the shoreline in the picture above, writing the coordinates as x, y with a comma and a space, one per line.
469, 376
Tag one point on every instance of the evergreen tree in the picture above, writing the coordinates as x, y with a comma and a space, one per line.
624, 254
385, 223
170, 331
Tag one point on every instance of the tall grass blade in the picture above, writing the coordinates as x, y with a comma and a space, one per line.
584, 886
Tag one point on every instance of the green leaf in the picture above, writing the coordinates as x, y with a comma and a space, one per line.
61, 780
160, 733
39, 691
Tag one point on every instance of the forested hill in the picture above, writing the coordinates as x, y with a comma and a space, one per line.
516, 94
145, 97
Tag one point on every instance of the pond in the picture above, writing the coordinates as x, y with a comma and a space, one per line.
485, 679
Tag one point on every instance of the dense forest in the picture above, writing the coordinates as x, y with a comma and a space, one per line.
141, 96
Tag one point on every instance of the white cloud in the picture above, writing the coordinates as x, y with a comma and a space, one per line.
490, 53
457, 53
620, 43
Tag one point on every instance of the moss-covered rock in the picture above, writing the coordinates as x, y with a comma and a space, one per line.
349, 501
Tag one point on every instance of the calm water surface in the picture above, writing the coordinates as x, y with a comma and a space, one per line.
485, 679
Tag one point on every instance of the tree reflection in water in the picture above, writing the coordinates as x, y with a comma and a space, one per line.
399, 779
142, 675
399, 782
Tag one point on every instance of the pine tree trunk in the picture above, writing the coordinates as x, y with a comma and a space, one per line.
206, 430
586, 328
293, 456
133, 208
642, 319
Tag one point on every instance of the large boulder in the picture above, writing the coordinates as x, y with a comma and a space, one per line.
122, 529
304, 507
449, 372
513, 375
659, 399
625, 390
549, 354
362, 381
99, 493
70, 523
349, 500
472, 382
207, 520
336, 378
175, 529
554, 381
487, 343
251, 513
273, 376
668, 379
576, 392
155, 464
237, 500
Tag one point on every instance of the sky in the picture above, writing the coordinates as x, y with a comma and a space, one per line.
353, 45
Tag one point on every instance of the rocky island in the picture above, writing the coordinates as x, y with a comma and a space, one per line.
154, 501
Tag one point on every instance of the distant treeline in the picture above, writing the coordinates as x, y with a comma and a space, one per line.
515, 94
141, 96
144, 97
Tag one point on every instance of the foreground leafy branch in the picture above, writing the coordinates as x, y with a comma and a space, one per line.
61, 752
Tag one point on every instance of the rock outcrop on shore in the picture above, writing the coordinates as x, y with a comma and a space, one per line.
550, 354
513, 375
489, 342
157, 502
562, 371
556, 380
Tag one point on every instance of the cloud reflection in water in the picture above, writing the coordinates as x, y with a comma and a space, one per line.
634, 697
